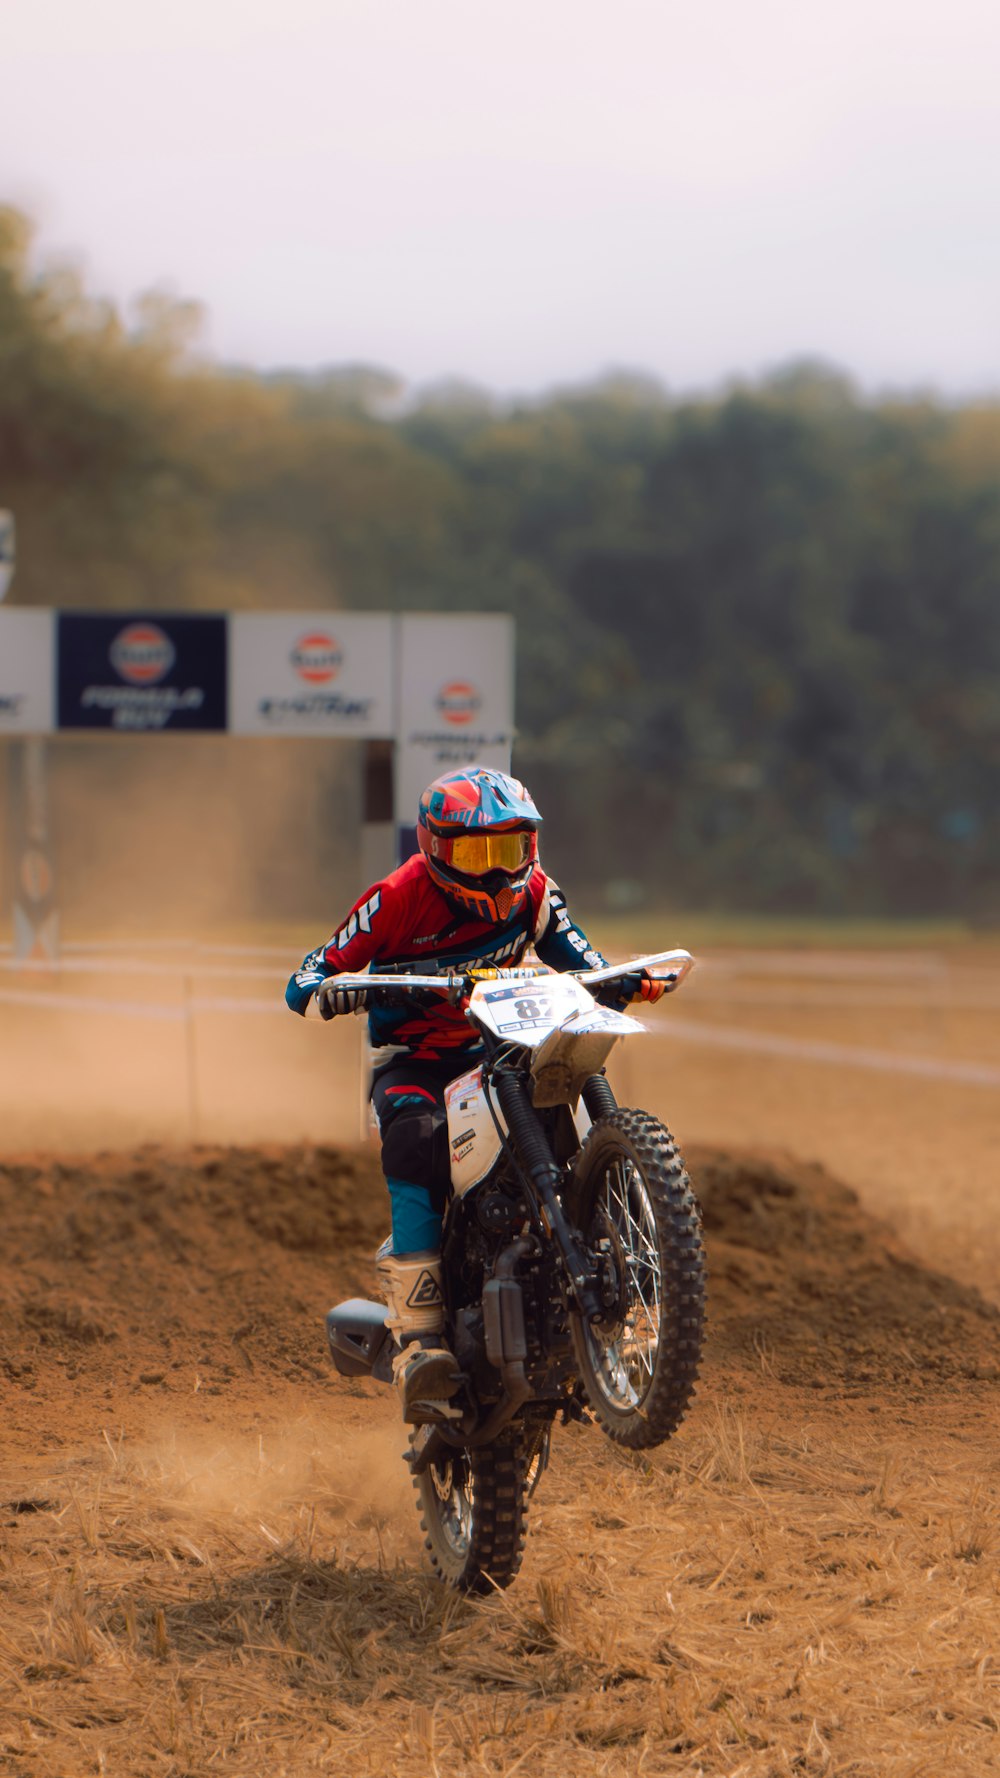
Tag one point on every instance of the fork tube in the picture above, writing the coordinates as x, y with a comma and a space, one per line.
598, 1097
533, 1152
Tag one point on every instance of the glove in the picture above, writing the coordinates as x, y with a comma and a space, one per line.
650, 989
427, 997
639, 985
331, 999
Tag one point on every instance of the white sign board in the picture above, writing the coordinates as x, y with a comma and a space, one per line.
310, 673
27, 676
7, 551
456, 699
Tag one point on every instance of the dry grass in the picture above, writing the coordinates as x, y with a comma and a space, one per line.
751, 1602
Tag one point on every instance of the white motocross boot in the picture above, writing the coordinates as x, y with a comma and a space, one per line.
424, 1370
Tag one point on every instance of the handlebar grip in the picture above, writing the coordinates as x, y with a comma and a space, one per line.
431, 967
415, 996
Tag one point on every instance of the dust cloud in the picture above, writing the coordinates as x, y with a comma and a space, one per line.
284, 1468
192, 873
191, 834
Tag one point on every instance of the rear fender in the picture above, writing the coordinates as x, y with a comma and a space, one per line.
360, 1343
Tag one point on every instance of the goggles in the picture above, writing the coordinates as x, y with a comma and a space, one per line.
476, 854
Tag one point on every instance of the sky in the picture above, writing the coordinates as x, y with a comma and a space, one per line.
530, 192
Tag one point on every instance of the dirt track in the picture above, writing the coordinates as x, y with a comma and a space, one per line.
209, 1559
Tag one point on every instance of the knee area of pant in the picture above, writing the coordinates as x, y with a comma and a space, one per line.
415, 1148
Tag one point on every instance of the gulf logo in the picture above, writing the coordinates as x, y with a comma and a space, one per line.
142, 654
458, 702
317, 658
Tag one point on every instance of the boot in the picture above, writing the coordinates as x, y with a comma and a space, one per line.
424, 1370
426, 1376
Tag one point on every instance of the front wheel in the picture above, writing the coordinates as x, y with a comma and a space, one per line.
472, 1509
634, 1206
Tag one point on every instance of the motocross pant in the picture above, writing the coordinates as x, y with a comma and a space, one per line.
408, 1097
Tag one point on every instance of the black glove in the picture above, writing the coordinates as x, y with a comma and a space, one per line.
619, 991
428, 997
331, 999
623, 990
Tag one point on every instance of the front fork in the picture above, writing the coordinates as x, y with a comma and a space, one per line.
535, 1156
598, 1097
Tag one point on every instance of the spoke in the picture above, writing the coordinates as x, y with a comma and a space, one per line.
648, 1309
641, 1283
634, 1222
643, 1358
622, 1222
636, 1218
636, 1359
631, 1250
638, 1237
642, 1320
644, 1262
623, 1182
627, 1364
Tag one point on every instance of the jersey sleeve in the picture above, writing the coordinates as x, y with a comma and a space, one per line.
366, 933
559, 942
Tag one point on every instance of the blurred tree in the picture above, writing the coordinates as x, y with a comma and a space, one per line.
758, 633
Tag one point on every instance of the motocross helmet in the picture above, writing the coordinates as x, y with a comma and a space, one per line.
478, 832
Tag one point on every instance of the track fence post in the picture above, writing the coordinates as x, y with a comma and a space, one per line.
190, 1059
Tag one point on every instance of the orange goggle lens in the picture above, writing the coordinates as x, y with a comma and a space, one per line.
476, 853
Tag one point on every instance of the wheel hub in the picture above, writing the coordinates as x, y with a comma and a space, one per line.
612, 1280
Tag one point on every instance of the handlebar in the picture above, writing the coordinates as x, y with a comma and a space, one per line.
668, 966
665, 966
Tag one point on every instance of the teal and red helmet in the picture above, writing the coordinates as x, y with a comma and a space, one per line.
478, 832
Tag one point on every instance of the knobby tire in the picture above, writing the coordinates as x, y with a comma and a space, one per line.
637, 1386
483, 1551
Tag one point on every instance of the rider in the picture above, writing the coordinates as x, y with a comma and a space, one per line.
473, 896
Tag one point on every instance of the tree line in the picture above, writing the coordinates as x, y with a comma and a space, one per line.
758, 631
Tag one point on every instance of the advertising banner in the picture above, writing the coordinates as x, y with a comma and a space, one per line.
27, 640
141, 674
310, 673
456, 702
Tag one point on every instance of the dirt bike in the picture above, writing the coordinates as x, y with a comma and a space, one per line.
572, 1258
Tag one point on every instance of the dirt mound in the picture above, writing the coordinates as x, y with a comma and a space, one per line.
212, 1262
210, 1559
204, 1261
820, 1291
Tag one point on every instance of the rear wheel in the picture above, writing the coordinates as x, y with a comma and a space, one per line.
634, 1205
472, 1509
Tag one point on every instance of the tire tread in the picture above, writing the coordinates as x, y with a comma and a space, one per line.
648, 1142
496, 1542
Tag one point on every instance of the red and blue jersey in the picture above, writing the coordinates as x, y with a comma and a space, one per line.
406, 919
